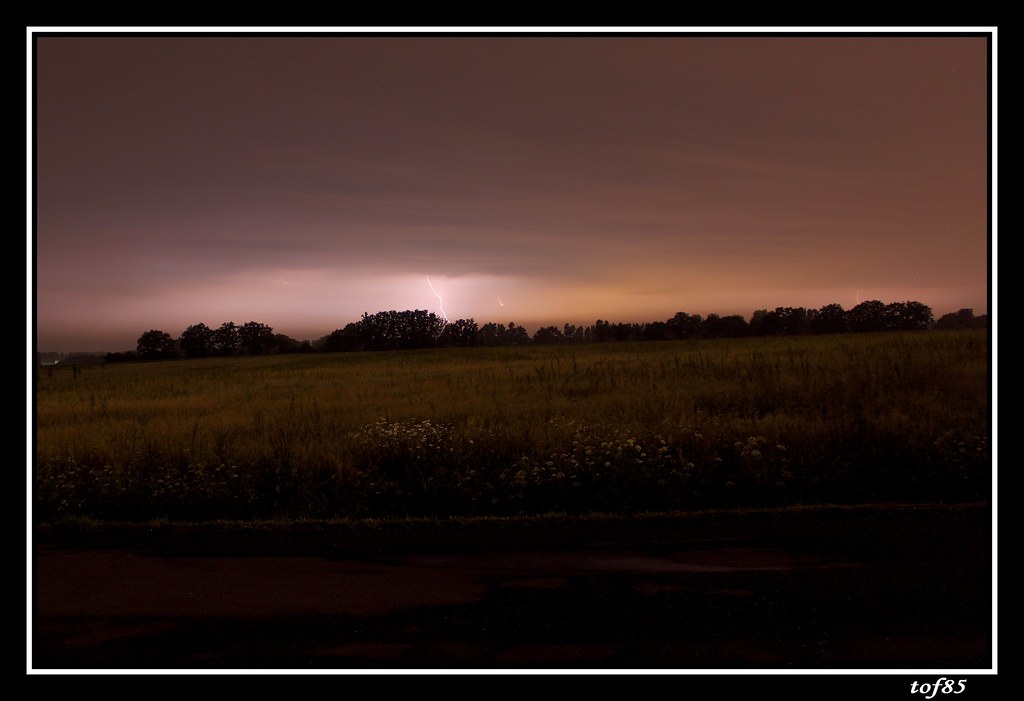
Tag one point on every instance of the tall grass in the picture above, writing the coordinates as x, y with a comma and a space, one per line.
609, 427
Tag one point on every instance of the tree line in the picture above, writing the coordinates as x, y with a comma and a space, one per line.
413, 329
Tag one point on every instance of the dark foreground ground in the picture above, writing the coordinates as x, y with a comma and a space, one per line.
837, 589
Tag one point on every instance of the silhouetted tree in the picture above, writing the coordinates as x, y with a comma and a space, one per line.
683, 325
197, 341
781, 321
491, 334
281, 343
830, 319
624, 332
394, 330
548, 335
764, 323
733, 326
906, 316
792, 320
225, 339
867, 317
420, 329
156, 344
462, 333
657, 331
349, 338
711, 326
573, 333
517, 335
255, 338
963, 319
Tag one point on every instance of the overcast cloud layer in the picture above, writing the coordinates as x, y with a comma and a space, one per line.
302, 181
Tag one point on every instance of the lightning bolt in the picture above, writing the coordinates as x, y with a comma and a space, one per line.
439, 300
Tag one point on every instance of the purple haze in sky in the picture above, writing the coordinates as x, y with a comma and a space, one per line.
302, 181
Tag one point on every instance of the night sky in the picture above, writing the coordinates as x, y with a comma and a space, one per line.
300, 181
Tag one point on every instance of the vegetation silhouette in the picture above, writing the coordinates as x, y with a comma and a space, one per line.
419, 329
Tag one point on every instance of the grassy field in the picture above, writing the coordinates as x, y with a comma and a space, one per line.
605, 428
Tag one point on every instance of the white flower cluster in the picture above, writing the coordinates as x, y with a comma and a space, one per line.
413, 439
